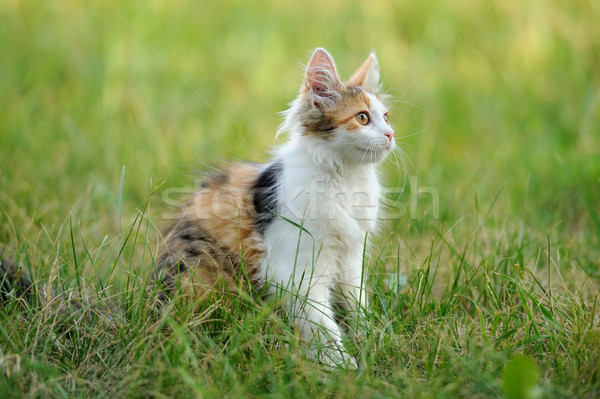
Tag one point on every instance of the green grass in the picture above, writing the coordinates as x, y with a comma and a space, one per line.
504, 126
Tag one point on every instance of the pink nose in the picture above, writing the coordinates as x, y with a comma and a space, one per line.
389, 135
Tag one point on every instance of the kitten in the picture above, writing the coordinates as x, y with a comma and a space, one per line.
300, 222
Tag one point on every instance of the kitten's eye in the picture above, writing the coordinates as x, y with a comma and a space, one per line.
362, 118
385, 118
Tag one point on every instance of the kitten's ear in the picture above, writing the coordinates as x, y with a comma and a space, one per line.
321, 79
367, 75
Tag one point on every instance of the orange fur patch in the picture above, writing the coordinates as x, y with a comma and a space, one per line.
354, 100
215, 231
230, 209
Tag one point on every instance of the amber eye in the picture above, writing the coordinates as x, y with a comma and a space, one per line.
385, 118
362, 118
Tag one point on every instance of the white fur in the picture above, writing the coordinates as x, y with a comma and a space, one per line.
330, 188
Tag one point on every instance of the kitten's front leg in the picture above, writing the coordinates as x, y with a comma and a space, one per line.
314, 317
353, 295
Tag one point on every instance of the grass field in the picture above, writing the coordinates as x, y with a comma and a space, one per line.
109, 108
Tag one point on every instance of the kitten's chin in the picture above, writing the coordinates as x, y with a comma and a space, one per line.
371, 155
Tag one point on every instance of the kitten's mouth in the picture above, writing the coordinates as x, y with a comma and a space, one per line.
374, 154
377, 150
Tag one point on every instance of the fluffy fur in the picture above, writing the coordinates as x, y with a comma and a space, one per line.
300, 222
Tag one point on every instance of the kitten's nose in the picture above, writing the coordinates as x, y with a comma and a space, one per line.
389, 135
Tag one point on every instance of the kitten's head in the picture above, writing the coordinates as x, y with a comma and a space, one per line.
347, 119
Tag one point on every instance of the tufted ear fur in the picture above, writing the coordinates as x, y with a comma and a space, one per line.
367, 75
321, 82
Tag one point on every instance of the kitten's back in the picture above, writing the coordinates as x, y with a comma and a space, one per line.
217, 229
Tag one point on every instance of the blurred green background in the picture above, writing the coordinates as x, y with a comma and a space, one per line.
490, 98
496, 104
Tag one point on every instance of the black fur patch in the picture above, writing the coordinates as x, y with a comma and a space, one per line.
321, 125
218, 178
189, 230
354, 91
14, 279
265, 195
215, 179
193, 251
315, 120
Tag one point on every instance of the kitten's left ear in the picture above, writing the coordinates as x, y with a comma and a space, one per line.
321, 81
367, 75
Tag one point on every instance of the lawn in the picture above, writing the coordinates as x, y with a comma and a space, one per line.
483, 277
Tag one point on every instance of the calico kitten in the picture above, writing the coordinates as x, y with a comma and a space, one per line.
299, 223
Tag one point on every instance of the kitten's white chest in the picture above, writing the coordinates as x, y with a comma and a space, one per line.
355, 206
338, 208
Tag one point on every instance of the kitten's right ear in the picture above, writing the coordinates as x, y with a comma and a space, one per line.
367, 75
321, 81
